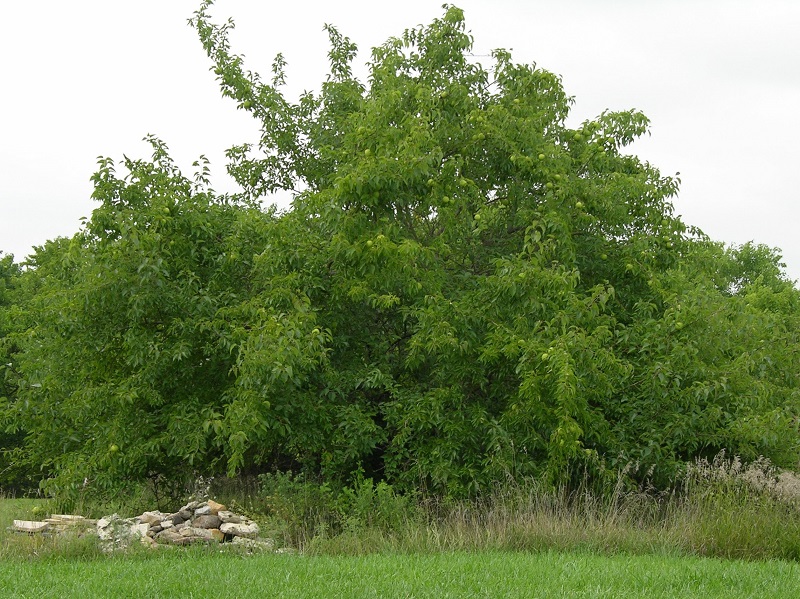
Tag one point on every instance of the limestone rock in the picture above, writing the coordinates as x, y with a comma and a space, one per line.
30, 526
66, 520
170, 537
227, 516
140, 529
167, 536
215, 507
200, 533
114, 528
208, 521
151, 518
243, 529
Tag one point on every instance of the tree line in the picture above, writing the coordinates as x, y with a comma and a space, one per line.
464, 290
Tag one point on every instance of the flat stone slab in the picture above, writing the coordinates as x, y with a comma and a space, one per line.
30, 526
67, 517
66, 520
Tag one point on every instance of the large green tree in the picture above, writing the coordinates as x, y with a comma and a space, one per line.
13, 475
464, 289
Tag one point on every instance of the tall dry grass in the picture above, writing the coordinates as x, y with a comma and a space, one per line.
722, 507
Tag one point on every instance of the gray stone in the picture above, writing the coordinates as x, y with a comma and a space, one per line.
227, 516
208, 521
151, 518
170, 537
114, 528
249, 530
140, 530
202, 510
200, 533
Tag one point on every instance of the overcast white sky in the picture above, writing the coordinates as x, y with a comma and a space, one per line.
719, 79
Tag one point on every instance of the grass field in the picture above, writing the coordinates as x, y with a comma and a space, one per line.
484, 574
524, 541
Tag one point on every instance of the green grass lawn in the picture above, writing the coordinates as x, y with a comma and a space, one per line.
486, 574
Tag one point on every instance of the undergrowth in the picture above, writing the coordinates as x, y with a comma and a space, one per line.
722, 508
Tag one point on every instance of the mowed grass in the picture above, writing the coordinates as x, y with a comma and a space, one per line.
483, 574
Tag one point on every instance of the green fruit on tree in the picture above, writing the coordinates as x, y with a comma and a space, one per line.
369, 243
604, 256
541, 156
367, 152
549, 185
113, 448
463, 182
579, 205
248, 104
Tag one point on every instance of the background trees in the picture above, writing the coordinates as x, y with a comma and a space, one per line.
465, 289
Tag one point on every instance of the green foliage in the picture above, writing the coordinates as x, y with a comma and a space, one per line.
14, 476
464, 290
305, 511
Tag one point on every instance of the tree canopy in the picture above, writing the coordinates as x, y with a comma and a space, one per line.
465, 289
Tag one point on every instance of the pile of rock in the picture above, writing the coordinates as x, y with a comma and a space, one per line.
196, 522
